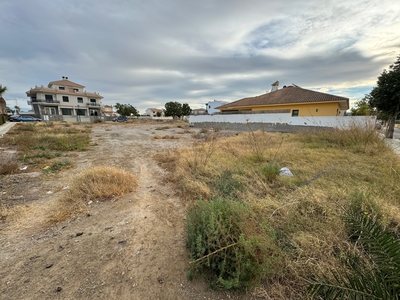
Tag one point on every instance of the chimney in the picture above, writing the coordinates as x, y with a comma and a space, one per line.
275, 86
66, 77
63, 77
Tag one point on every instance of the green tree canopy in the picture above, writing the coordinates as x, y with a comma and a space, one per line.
126, 110
362, 107
385, 97
176, 109
173, 109
186, 110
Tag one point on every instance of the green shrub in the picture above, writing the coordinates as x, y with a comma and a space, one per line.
58, 166
226, 185
269, 171
228, 243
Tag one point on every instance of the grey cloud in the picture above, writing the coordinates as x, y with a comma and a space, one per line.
148, 52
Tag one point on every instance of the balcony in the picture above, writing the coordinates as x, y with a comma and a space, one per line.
93, 104
45, 101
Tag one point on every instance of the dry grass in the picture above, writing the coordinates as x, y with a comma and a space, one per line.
38, 144
8, 164
100, 183
165, 137
305, 211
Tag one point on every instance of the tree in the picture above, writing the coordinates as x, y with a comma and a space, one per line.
173, 109
177, 110
186, 110
362, 107
126, 110
385, 97
3, 89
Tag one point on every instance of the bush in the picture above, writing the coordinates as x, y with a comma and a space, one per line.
226, 185
58, 166
374, 268
227, 242
269, 171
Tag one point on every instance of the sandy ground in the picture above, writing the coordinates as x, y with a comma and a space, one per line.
131, 248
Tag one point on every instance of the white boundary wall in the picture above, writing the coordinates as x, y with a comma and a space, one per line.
287, 119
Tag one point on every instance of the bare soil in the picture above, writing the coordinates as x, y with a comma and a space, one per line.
129, 248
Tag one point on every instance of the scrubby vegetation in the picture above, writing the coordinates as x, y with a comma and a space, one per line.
39, 144
100, 183
295, 225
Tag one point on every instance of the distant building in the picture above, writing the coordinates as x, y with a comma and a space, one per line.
108, 111
211, 106
199, 111
290, 99
64, 98
155, 112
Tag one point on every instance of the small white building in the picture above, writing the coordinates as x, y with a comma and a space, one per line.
155, 112
211, 106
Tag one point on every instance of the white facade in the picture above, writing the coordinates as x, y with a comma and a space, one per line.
155, 112
64, 98
211, 106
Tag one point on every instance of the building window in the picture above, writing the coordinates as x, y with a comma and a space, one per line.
80, 100
48, 97
61, 88
81, 112
76, 90
93, 100
295, 112
65, 99
316, 110
66, 111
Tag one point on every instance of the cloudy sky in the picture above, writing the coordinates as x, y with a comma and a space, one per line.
148, 52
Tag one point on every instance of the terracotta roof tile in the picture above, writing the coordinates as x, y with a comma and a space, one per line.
288, 95
66, 82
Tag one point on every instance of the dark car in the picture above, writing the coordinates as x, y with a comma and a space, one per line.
120, 119
24, 119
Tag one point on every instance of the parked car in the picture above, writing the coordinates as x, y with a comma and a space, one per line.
120, 119
24, 119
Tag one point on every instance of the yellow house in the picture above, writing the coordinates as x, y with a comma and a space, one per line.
290, 99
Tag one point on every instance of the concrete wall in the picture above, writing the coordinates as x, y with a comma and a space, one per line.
285, 119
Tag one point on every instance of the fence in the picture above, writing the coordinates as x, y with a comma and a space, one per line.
284, 119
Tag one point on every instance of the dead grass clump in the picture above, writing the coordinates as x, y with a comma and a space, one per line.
356, 138
100, 183
165, 137
162, 128
8, 164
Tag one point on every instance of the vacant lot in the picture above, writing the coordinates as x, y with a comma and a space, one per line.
125, 247
116, 221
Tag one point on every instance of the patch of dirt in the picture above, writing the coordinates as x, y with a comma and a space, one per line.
130, 248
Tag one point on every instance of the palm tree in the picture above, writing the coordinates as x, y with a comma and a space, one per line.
3, 89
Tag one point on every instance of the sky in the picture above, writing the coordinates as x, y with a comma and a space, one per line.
149, 52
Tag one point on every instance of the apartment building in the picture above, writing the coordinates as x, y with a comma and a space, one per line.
64, 100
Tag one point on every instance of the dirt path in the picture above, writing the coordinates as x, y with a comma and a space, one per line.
132, 248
